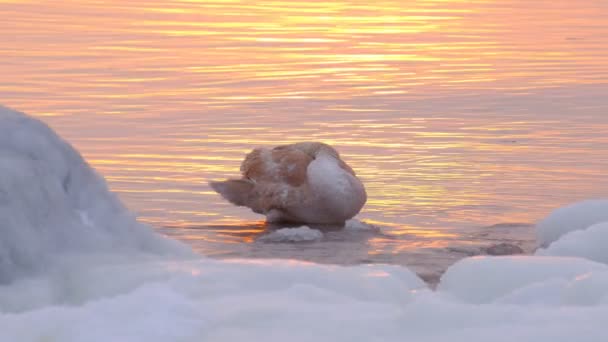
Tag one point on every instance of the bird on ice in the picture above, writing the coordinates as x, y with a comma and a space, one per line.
305, 182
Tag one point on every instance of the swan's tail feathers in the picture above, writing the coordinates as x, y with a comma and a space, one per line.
236, 191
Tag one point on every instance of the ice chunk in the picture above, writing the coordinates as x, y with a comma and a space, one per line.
356, 225
299, 234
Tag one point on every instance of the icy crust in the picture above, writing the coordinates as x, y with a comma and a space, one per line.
308, 234
52, 203
360, 226
299, 234
577, 216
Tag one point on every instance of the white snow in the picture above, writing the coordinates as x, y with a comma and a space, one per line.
76, 266
299, 234
573, 217
53, 204
590, 243
242, 300
482, 280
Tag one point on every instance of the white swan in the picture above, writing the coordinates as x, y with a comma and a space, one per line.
305, 182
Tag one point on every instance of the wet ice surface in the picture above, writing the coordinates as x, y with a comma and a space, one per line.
350, 245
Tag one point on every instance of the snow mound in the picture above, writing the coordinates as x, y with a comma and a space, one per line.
480, 280
588, 289
573, 217
267, 300
207, 300
52, 203
300, 234
590, 243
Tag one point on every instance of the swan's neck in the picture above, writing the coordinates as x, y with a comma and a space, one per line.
334, 187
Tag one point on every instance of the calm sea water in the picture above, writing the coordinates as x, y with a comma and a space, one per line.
467, 120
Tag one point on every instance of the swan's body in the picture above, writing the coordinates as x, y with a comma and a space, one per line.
304, 182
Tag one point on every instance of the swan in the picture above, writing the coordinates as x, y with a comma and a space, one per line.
306, 182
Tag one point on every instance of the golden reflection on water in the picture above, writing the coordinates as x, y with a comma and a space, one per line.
454, 113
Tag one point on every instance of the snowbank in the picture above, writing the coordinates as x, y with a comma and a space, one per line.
52, 203
291, 301
573, 217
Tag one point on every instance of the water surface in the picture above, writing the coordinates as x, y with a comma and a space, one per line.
467, 120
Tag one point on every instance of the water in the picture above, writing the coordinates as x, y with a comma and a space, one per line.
467, 121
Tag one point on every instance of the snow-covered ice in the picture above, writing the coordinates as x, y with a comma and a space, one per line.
573, 217
75, 265
52, 202
502, 277
590, 243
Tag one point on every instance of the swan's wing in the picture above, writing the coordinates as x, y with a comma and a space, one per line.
255, 164
283, 164
292, 164
235, 191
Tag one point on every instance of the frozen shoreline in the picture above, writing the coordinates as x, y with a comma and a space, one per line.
77, 266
